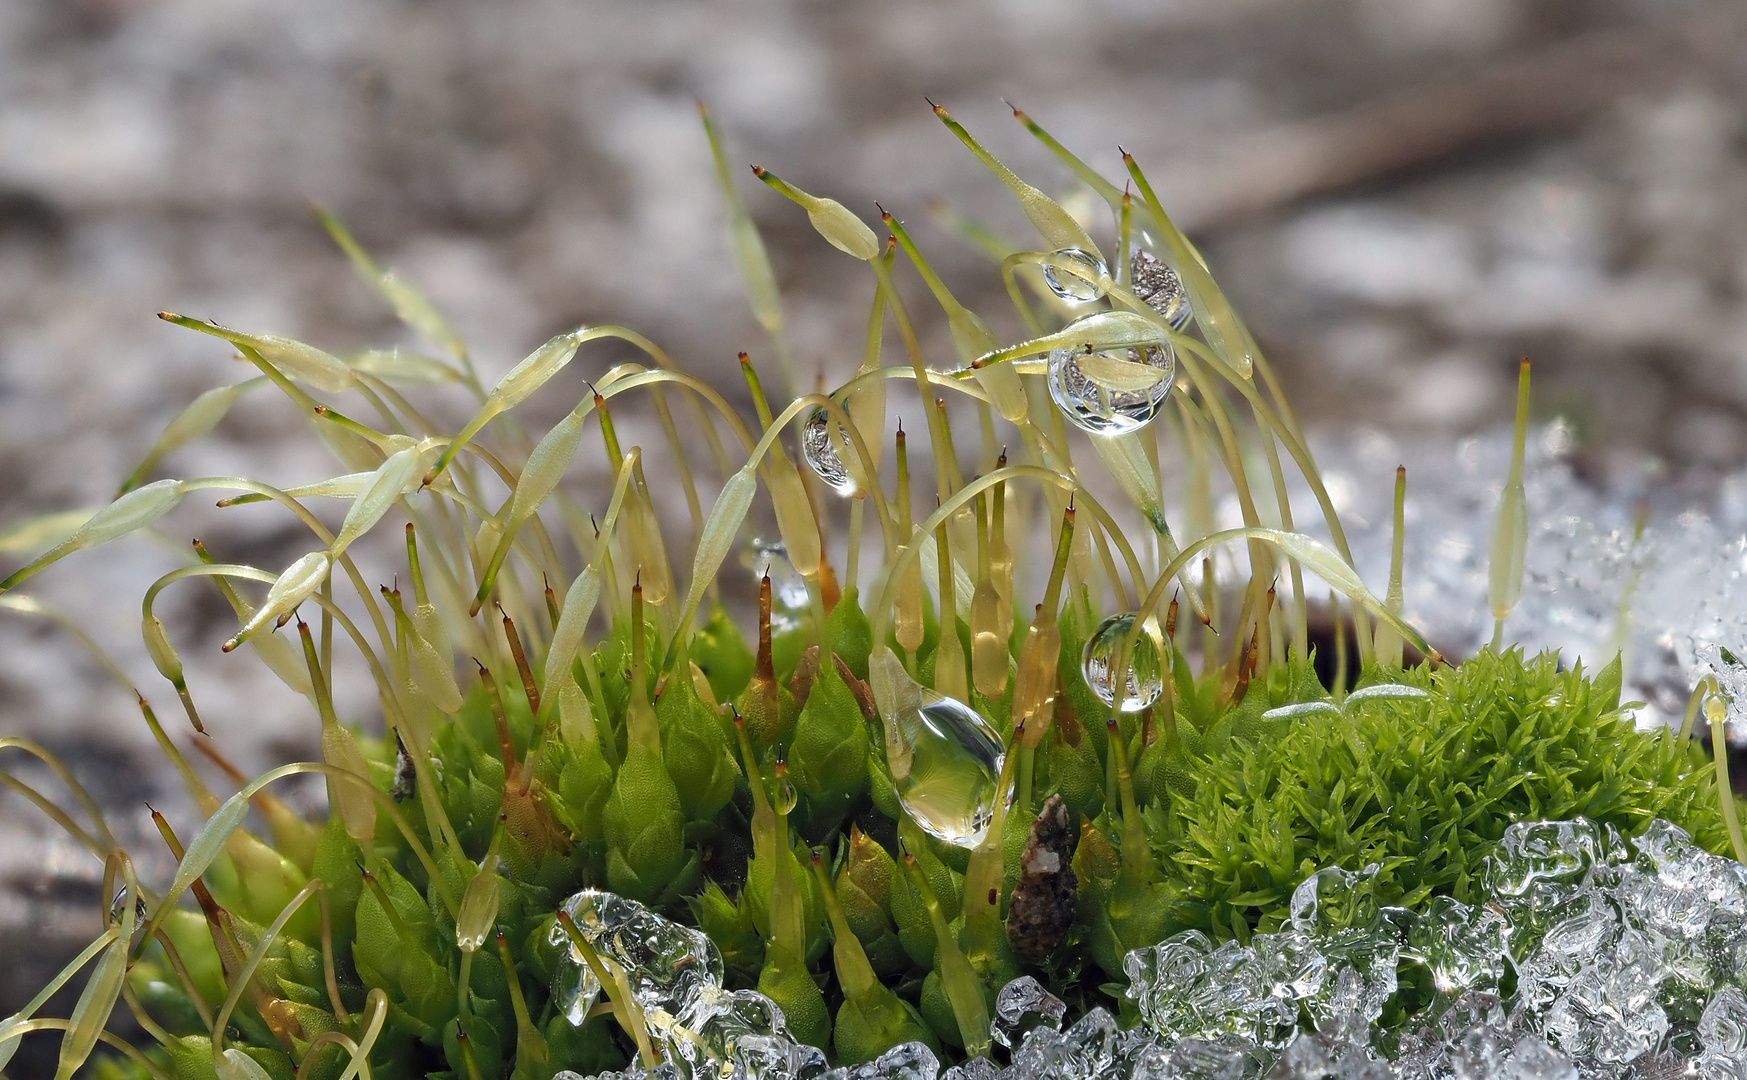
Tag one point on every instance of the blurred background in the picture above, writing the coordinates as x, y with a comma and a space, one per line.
1402, 196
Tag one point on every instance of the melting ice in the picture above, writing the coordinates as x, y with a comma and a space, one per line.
1627, 958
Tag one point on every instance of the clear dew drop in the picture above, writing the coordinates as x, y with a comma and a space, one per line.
955, 769
1099, 408
821, 453
945, 758
1074, 275
1146, 675
783, 798
788, 589
1158, 286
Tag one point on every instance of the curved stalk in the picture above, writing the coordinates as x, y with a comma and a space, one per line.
894, 572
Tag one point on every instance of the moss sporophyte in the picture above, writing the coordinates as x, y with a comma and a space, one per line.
926, 774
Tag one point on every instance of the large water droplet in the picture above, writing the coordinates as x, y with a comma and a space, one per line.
1074, 275
1159, 287
1146, 674
945, 758
821, 453
1111, 392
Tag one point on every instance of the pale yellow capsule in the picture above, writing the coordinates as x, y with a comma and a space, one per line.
649, 550
761, 289
1006, 391
576, 722
1224, 331
840, 228
1034, 696
1054, 224
989, 657
35, 534
402, 366
794, 516
1509, 551
163, 654
298, 583
1120, 375
95, 1004
515, 388
429, 625
1098, 332
280, 658
414, 309
209, 842
233, 1064
533, 372
567, 638
486, 539
344, 486
356, 805
394, 478
201, 416
1001, 572
907, 621
478, 906
949, 662
135, 510
717, 539
1124, 455
546, 465
431, 674
305, 363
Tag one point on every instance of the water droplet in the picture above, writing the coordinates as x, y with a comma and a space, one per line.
1074, 275
788, 589
1111, 392
945, 758
955, 767
783, 796
821, 453
1157, 285
1146, 675
118, 907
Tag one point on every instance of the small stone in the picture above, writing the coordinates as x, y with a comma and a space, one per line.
1042, 908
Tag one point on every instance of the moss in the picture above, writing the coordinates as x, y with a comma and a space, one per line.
1423, 787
